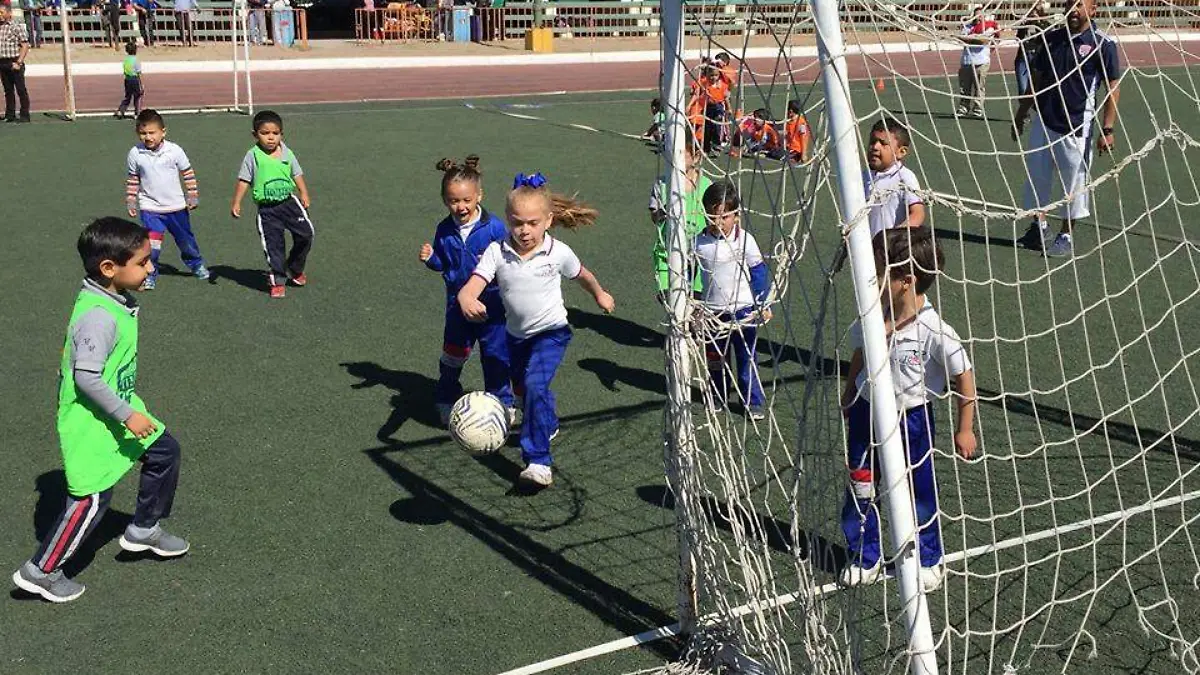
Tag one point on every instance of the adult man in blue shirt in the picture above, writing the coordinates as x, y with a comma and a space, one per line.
1066, 74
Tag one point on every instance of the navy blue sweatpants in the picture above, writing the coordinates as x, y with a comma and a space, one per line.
535, 360
860, 513
459, 337
81, 513
179, 224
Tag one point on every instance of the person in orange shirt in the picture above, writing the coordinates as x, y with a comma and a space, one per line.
716, 94
797, 133
758, 135
695, 111
728, 72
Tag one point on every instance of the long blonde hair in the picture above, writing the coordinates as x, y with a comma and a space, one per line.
568, 211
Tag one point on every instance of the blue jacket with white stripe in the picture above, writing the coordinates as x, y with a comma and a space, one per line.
456, 259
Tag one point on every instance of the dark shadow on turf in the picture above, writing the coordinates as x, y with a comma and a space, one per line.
612, 605
616, 329
825, 554
255, 280
971, 237
167, 269
52, 497
611, 374
413, 397
1123, 432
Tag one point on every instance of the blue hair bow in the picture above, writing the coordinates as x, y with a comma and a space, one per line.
534, 181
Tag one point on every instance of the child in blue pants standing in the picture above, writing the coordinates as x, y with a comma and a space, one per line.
528, 266
925, 354
460, 239
161, 188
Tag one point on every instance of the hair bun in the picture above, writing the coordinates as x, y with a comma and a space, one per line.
445, 164
471, 162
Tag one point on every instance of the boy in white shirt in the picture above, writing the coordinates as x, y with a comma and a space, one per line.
529, 267
925, 353
734, 283
160, 185
891, 187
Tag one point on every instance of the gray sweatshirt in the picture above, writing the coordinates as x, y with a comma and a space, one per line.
92, 339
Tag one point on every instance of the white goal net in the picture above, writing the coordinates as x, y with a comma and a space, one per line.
1068, 540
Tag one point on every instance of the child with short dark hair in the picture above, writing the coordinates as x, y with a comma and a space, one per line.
734, 284
459, 241
155, 168
132, 69
891, 186
925, 354
658, 122
276, 182
103, 426
797, 134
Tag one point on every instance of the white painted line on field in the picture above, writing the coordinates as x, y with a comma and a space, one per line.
478, 60
780, 601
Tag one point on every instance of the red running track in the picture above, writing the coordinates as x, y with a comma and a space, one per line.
317, 86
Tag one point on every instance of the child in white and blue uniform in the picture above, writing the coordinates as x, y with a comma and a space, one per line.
528, 265
457, 244
735, 284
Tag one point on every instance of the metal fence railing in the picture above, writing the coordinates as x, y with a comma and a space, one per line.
285, 28
401, 21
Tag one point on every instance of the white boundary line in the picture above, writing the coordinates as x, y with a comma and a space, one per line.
787, 599
479, 60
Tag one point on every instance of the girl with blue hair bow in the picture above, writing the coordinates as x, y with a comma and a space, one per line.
528, 266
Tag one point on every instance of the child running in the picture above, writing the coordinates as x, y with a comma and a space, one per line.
133, 82
925, 355
458, 242
734, 283
275, 181
103, 426
528, 265
153, 192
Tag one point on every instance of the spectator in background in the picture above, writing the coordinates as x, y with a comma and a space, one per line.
183, 19
14, 47
32, 10
110, 19
445, 20
258, 21
146, 12
977, 37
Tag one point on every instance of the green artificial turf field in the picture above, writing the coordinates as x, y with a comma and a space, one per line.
335, 528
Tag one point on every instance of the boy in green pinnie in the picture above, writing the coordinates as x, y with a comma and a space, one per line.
275, 180
103, 426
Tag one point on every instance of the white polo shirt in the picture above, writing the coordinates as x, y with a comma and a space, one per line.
926, 354
890, 193
158, 170
725, 264
530, 289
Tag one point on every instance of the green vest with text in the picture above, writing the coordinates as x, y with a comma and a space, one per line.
273, 180
97, 450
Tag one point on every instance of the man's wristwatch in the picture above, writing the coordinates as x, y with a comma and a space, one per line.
1107, 131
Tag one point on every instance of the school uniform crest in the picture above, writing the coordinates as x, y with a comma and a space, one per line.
1084, 50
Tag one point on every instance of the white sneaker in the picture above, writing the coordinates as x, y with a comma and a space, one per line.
443, 411
855, 575
514, 421
931, 577
1061, 248
536, 475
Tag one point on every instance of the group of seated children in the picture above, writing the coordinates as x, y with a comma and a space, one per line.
709, 116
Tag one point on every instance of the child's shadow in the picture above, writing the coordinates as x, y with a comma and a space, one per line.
52, 497
619, 330
255, 280
413, 399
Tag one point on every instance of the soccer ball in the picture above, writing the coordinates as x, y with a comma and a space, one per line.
479, 423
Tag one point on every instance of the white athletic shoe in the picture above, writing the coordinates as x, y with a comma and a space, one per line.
931, 577
536, 475
1061, 248
855, 575
514, 421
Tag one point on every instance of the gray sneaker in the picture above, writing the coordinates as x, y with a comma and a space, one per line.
202, 273
156, 540
54, 586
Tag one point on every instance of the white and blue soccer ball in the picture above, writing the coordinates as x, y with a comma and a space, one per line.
479, 423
